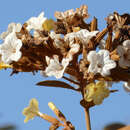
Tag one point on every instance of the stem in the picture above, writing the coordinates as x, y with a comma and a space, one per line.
87, 117
74, 82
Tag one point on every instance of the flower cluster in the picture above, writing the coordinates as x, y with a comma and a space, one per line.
72, 49
59, 47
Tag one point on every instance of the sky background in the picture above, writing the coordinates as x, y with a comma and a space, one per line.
16, 91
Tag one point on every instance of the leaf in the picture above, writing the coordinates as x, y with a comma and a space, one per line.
54, 83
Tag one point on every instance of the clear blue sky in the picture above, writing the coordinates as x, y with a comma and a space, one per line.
16, 91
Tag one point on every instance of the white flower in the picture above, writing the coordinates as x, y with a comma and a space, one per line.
124, 53
83, 35
55, 68
12, 27
70, 37
102, 44
74, 48
56, 38
127, 86
100, 62
10, 49
36, 22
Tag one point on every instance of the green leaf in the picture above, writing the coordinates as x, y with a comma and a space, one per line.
54, 83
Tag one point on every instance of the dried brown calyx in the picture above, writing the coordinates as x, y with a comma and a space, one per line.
70, 18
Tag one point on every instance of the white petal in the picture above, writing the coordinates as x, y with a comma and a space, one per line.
47, 60
92, 56
126, 44
127, 86
120, 50
74, 49
105, 72
121, 62
104, 54
110, 64
94, 68
36, 22
16, 56
102, 44
55, 68
12, 27
10, 49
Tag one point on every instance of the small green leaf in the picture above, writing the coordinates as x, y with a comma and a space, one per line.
54, 83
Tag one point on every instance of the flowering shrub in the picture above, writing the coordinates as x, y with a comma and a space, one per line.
74, 47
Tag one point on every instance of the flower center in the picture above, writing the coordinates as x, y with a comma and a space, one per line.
13, 50
99, 65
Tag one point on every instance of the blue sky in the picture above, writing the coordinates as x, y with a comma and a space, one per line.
16, 91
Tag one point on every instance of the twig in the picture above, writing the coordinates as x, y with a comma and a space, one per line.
71, 80
87, 117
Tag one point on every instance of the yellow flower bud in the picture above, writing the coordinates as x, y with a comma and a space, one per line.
48, 25
96, 92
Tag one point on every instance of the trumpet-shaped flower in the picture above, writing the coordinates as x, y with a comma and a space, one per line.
32, 110
127, 86
124, 53
100, 62
36, 23
56, 38
12, 27
96, 92
55, 68
10, 49
83, 35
